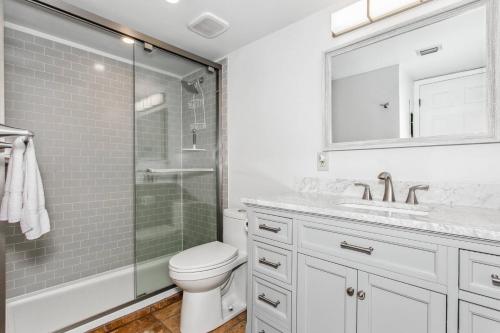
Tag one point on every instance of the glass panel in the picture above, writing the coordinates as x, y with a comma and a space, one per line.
72, 85
175, 145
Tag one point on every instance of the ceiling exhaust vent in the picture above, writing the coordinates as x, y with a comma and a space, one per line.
208, 25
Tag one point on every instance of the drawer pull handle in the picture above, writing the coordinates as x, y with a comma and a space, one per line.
268, 228
263, 298
264, 261
262, 331
495, 279
361, 295
347, 246
350, 291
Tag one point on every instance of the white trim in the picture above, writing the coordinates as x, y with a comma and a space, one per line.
33, 32
419, 83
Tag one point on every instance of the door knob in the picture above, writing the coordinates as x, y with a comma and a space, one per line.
350, 291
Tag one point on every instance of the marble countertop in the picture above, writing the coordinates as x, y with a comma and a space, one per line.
481, 223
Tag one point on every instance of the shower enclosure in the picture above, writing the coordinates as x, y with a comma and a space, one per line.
175, 161
127, 137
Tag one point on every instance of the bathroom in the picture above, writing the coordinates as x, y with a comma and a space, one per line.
261, 167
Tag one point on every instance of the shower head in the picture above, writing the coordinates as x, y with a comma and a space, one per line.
193, 86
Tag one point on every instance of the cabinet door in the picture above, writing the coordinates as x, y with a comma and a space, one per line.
388, 306
478, 319
323, 303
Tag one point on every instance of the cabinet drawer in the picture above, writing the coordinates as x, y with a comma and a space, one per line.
261, 326
273, 227
272, 301
417, 259
272, 261
480, 273
478, 319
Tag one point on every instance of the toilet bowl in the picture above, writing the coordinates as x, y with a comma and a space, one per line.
213, 277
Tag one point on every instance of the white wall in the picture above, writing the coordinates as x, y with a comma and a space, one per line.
276, 113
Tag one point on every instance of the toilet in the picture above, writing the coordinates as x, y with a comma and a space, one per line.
213, 277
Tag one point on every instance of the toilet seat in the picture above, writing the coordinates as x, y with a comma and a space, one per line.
203, 261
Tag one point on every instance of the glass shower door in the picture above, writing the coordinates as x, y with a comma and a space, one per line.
175, 149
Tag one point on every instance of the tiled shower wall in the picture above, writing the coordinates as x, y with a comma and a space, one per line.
84, 138
84, 125
158, 145
199, 199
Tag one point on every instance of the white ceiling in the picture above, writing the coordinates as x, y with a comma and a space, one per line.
249, 19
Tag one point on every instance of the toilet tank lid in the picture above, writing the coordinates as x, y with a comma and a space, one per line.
235, 213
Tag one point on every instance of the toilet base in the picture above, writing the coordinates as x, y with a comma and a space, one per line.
203, 311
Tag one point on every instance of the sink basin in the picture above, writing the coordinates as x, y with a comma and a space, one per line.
386, 209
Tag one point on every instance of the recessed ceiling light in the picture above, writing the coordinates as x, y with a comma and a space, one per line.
172, 1
127, 40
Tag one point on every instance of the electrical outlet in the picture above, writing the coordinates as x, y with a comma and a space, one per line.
322, 161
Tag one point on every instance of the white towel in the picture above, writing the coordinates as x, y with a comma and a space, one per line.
12, 201
35, 219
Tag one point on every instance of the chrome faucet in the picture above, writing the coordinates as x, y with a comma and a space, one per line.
389, 190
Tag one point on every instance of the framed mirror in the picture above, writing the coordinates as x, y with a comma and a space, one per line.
432, 81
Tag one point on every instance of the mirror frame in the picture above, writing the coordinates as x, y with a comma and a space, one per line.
493, 78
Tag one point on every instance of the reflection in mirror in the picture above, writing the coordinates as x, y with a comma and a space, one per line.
427, 82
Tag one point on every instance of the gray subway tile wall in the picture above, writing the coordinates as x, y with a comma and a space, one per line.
158, 145
84, 122
199, 198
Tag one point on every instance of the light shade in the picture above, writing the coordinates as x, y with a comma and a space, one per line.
381, 8
350, 17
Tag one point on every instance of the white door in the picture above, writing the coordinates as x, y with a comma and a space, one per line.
324, 301
451, 105
478, 319
388, 306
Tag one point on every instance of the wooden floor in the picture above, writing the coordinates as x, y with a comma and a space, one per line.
163, 317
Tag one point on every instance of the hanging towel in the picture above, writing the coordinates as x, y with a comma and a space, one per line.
12, 201
35, 219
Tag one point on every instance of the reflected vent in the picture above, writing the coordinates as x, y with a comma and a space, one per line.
429, 50
208, 25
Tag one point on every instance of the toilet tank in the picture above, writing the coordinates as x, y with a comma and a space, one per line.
235, 228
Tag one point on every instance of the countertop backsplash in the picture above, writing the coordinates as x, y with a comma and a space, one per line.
449, 194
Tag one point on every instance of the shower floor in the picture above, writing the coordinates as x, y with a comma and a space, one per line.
163, 320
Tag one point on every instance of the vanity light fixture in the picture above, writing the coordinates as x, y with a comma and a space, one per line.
364, 12
378, 9
351, 17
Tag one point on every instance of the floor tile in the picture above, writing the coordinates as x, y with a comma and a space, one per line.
173, 323
148, 324
168, 311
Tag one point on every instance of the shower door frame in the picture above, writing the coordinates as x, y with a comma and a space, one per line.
103, 23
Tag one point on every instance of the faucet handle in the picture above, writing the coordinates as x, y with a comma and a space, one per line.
412, 197
367, 194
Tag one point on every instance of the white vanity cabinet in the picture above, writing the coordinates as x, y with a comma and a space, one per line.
320, 274
334, 298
